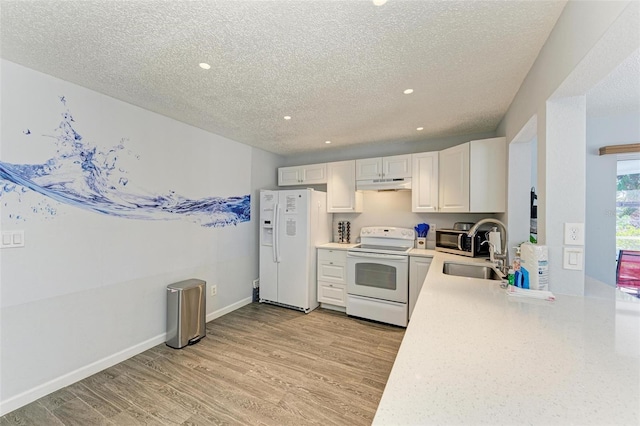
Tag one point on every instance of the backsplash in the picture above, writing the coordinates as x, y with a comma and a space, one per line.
393, 208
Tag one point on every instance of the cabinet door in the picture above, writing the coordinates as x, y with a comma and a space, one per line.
454, 179
314, 174
289, 176
398, 166
418, 268
488, 175
369, 168
341, 188
424, 182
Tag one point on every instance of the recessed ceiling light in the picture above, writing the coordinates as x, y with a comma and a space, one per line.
408, 91
204, 66
420, 128
379, 2
327, 141
286, 117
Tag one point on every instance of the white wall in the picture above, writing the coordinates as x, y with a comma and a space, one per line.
588, 41
88, 289
580, 26
600, 253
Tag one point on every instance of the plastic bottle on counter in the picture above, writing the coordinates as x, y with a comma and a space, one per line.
518, 279
511, 276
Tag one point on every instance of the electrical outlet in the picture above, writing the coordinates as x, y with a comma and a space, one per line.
214, 290
574, 234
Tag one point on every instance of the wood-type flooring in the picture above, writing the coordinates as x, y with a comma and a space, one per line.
258, 365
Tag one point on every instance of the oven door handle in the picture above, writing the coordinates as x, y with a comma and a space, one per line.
460, 241
376, 256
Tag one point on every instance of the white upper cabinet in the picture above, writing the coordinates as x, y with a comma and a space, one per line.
488, 175
454, 179
302, 175
342, 196
467, 178
397, 166
369, 168
424, 182
473, 177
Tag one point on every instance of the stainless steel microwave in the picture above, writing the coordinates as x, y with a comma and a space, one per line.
458, 242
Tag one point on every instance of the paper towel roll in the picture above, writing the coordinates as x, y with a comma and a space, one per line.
494, 238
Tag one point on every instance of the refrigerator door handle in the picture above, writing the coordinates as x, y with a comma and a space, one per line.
276, 233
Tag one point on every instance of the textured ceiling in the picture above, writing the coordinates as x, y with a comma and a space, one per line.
338, 68
619, 92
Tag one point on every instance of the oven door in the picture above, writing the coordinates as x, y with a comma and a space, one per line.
377, 275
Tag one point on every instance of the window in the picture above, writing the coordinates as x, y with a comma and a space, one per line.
628, 205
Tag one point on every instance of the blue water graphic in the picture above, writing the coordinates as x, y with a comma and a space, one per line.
84, 176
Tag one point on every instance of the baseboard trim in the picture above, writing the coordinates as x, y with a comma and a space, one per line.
227, 309
44, 389
333, 307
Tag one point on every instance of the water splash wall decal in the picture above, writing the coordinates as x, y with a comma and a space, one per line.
84, 176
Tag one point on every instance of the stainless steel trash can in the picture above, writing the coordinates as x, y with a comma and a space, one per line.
185, 313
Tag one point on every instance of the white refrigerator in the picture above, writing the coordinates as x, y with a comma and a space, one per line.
292, 223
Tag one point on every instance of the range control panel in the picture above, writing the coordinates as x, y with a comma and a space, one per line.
387, 232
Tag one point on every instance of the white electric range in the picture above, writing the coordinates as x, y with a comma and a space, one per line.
378, 275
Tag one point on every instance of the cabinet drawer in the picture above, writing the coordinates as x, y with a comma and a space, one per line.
334, 294
335, 272
336, 256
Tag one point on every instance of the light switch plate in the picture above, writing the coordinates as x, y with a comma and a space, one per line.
12, 239
573, 258
574, 234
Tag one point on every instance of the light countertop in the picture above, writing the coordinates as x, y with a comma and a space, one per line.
474, 355
336, 246
422, 252
342, 246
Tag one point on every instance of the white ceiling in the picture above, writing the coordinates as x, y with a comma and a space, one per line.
338, 68
619, 92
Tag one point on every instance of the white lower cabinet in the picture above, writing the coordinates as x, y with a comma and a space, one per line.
418, 268
332, 277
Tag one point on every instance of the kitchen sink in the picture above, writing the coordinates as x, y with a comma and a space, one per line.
471, 270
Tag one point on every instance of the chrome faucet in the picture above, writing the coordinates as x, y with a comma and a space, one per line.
501, 261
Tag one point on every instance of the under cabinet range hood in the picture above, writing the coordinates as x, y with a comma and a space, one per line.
397, 184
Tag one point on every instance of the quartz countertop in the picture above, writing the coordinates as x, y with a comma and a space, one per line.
336, 246
474, 355
422, 252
